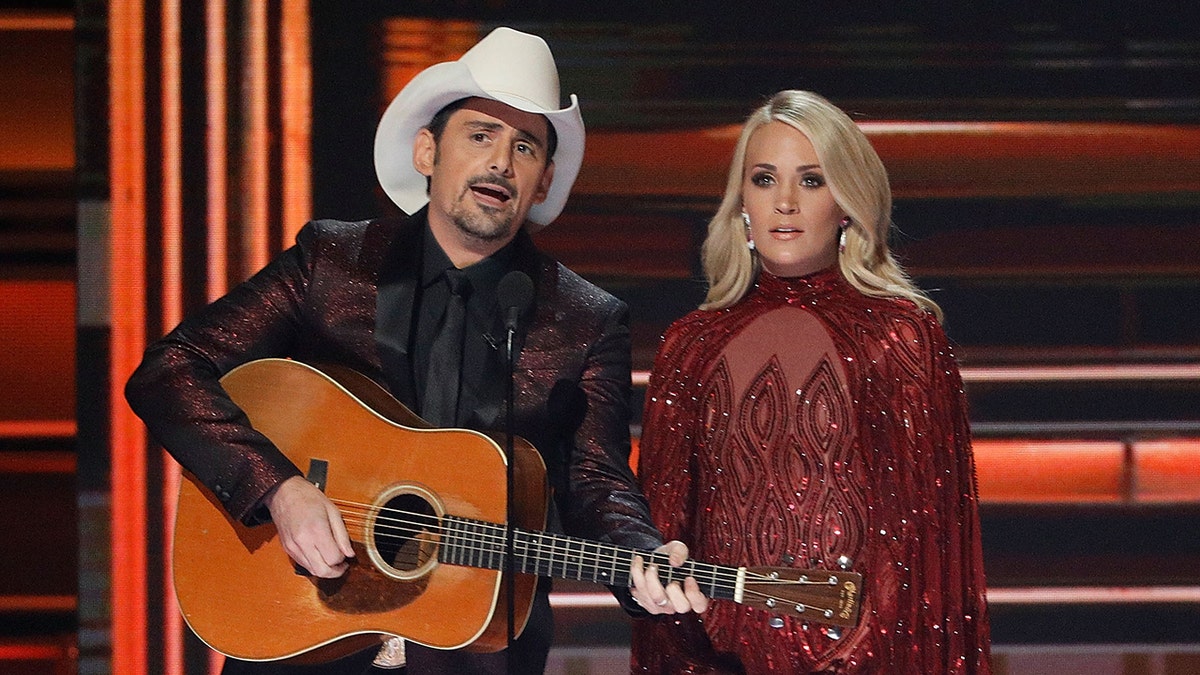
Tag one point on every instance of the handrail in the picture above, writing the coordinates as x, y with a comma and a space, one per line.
1015, 595
924, 160
1117, 372
38, 461
1140, 372
24, 429
37, 603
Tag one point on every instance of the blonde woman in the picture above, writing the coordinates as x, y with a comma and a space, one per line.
810, 414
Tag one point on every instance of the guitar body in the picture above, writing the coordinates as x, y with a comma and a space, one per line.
238, 589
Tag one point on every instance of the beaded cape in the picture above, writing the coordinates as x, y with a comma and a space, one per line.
806, 423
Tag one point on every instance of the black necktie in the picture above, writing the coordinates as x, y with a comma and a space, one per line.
443, 382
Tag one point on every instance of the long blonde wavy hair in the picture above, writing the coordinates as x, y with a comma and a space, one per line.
859, 184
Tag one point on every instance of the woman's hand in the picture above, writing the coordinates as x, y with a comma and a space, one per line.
673, 598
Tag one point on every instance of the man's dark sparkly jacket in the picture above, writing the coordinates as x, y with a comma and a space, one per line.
317, 303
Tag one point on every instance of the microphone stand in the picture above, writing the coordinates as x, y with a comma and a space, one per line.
514, 294
510, 566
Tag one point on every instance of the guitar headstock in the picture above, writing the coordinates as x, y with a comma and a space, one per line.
820, 596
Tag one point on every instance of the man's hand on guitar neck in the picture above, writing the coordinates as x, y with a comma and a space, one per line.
649, 592
310, 528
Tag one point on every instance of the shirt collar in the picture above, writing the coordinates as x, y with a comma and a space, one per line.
484, 274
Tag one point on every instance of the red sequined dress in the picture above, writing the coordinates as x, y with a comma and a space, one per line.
806, 423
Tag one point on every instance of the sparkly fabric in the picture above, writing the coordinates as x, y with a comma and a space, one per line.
316, 303
805, 423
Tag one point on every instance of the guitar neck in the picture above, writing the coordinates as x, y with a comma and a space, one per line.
474, 543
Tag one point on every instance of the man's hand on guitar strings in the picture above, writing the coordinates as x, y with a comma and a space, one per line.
310, 528
649, 592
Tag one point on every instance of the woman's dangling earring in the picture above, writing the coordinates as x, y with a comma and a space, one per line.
749, 237
842, 235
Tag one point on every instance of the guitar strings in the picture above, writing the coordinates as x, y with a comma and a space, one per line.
496, 536
491, 539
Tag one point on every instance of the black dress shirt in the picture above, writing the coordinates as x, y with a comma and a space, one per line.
483, 369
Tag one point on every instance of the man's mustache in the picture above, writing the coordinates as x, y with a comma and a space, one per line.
496, 180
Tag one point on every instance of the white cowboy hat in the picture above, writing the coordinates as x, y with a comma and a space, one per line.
508, 66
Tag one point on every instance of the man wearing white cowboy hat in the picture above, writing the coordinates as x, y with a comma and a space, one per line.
478, 153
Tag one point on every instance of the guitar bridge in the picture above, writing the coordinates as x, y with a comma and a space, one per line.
318, 473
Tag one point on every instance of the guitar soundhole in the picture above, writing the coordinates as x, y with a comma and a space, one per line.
405, 535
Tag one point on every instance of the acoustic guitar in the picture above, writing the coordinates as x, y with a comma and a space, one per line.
426, 510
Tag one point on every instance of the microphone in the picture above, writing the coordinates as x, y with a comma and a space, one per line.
514, 295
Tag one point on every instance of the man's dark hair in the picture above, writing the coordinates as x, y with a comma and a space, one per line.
438, 124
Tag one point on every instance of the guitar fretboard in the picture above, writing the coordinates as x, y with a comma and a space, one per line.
480, 544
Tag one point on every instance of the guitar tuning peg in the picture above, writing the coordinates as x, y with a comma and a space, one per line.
775, 622
833, 632
844, 562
